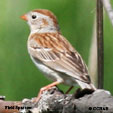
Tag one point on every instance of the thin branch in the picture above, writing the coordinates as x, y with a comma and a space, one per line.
100, 44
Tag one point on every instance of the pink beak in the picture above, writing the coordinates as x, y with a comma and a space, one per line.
24, 17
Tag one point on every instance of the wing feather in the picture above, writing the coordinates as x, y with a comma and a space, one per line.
56, 52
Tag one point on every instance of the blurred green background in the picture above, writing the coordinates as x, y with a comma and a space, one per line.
19, 78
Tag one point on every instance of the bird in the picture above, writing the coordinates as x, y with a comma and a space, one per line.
53, 54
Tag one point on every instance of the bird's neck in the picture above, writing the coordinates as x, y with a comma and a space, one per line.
45, 30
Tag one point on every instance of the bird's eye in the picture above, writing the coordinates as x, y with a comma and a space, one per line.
33, 16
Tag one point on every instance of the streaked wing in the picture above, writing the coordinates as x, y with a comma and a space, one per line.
57, 53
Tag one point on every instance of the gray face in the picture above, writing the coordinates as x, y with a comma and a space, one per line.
38, 21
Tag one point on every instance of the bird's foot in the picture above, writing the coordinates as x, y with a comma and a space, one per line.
44, 89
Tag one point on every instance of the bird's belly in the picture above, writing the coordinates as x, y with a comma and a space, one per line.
53, 75
49, 73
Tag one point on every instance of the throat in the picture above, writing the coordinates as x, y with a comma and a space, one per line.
44, 30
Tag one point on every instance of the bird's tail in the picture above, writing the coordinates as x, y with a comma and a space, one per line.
84, 85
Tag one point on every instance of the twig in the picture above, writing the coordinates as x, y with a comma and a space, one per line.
100, 47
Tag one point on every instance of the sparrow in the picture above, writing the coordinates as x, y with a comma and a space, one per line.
52, 53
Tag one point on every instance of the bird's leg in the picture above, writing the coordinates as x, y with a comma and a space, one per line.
46, 88
69, 90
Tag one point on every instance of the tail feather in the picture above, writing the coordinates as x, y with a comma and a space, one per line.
84, 85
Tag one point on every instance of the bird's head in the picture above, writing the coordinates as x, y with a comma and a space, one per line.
41, 20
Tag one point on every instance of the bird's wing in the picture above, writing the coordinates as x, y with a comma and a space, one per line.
53, 50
